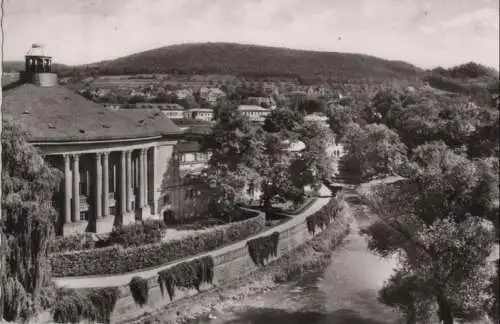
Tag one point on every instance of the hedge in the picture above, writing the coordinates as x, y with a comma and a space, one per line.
261, 248
118, 260
191, 274
323, 217
146, 232
73, 306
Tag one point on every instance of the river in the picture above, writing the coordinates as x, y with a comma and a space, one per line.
346, 292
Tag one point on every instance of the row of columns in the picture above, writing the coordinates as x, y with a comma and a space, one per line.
101, 188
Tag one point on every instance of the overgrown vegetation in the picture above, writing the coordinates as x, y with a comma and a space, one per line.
190, 274
262, 248
73, 306
323, 217
28, 222
140, 290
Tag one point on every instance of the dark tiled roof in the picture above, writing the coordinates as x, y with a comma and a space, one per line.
59, 114
188, 147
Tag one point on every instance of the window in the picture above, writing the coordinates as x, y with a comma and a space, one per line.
167, 200
83, 216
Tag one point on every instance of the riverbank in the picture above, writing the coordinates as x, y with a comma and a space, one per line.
313, 255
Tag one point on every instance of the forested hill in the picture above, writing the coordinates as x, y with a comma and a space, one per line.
258, 61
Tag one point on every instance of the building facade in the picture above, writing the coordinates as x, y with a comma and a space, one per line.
254, 113
113, 161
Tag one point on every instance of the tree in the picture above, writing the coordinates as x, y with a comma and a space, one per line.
373, 150
28, 184
236, 146
287, 122
430, 222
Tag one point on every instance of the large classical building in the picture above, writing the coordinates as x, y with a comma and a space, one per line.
115, 162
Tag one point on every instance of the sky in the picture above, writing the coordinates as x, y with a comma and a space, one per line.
427, 33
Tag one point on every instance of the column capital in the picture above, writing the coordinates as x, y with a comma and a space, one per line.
98, 155
105, 154
75, 156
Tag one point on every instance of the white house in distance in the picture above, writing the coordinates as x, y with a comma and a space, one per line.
205, 114
211, 95
254, 113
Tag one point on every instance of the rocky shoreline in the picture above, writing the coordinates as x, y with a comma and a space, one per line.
314, 255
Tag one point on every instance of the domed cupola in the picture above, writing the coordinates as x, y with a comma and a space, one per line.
38, 67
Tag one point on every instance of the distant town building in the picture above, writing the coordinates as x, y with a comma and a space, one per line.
254, 113
211, 95
205, 114
172, 111
183, 93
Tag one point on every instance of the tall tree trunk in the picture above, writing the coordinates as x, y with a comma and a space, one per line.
445, 315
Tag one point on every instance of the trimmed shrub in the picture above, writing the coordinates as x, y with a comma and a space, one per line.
140, 290
322, 217
72, 306
117, 260
146, 232
191, 274
76, 242
261, 248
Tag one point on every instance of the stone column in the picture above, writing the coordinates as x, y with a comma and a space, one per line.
146, 178
123, 183
76, 189
153, 189
105, 187
129, 180
67, 189
98, 186
140, 197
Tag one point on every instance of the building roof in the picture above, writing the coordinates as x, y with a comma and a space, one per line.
251, 108
200, 110
188, 147
57, 114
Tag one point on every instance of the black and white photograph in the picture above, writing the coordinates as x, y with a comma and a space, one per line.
249, 162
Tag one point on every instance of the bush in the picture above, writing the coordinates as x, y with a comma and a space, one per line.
72, 306
117, 260
76, 242
189, 274
261, 248
323, 217
140, 290
146, 232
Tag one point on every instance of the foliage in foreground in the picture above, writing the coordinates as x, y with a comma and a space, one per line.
190, 274
140, 290
73, 306
28, 221
436, 223
262, 248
